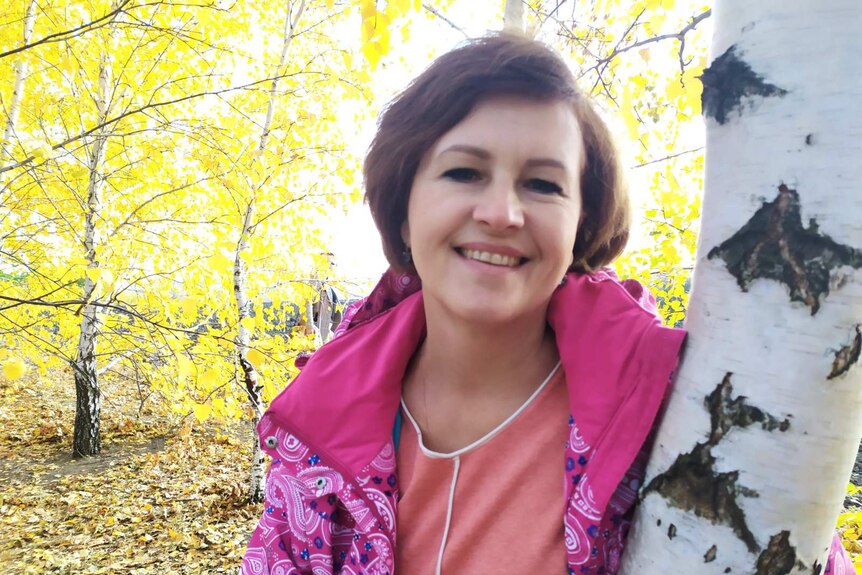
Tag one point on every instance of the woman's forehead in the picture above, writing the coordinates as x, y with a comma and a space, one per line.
544, 132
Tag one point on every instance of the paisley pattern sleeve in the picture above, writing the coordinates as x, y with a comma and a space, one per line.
839, 562
615, 525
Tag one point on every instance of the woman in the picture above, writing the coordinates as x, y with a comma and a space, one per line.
493, 181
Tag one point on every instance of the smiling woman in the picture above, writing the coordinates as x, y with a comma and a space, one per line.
493, 213
497, 356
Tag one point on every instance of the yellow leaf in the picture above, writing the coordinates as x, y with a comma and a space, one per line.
186, 367
221, 262
372, 52
43, 152
368, 9
208, 379
247, 323
189, 307
255, 357
13, 369
202, 411
330, 4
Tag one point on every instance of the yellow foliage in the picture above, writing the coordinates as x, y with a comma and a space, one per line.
202, 411
209, 379
14, 369
255, 357
850, 529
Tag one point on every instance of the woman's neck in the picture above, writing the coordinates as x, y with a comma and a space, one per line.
474, 360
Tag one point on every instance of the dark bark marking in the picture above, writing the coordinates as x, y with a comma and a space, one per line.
817, 568
775, 245
671, 531
847, 356
726, 413
692, 483
809, 140
779, 557
710, 554
727, 81
728, 570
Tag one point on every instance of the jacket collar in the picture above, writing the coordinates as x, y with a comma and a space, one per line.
346, 397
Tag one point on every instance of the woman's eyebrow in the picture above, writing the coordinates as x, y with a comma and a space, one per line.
480, 153
484, 154
546, 163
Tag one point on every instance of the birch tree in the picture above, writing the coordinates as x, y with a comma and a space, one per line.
97, 220
750, 463
514, 19
20, 68
87, 438
247, 373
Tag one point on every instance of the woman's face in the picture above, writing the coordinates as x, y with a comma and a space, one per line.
494, 211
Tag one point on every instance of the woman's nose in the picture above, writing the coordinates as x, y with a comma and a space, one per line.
499, 206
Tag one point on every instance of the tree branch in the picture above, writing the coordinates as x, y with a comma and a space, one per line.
438, 14
670, 157
140, 109
66, 34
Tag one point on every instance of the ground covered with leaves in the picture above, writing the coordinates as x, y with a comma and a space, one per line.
165, 497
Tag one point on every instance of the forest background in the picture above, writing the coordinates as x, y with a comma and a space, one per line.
180, 187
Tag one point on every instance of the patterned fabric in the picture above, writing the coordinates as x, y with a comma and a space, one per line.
315, 521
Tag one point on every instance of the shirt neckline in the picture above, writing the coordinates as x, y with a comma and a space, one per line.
485, 438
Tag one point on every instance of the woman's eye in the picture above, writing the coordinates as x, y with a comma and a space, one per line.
543, 186
462, 174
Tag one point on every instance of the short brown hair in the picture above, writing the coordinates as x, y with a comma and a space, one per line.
443, 95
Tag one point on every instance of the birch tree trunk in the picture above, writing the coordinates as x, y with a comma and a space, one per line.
250, 377
750, 464
18, 89
514, 19
87, 438
324, 318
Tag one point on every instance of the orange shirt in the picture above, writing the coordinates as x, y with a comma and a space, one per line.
488, 497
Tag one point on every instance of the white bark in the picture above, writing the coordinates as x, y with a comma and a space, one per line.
514, 19
324, 317
250, 377
18, 89
784, 347
87, 436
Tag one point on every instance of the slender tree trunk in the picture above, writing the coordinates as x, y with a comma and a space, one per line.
751, 461
514, 19
86, 436
250, 377
324, 319
18, 90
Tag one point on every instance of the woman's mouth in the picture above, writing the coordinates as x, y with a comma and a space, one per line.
491, 258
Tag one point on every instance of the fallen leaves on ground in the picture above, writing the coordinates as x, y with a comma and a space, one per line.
165, 497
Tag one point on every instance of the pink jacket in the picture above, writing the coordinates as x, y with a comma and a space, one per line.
332, 488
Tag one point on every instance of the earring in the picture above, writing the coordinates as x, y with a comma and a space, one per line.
406, 255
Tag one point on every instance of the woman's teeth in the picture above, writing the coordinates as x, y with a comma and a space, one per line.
493, 259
